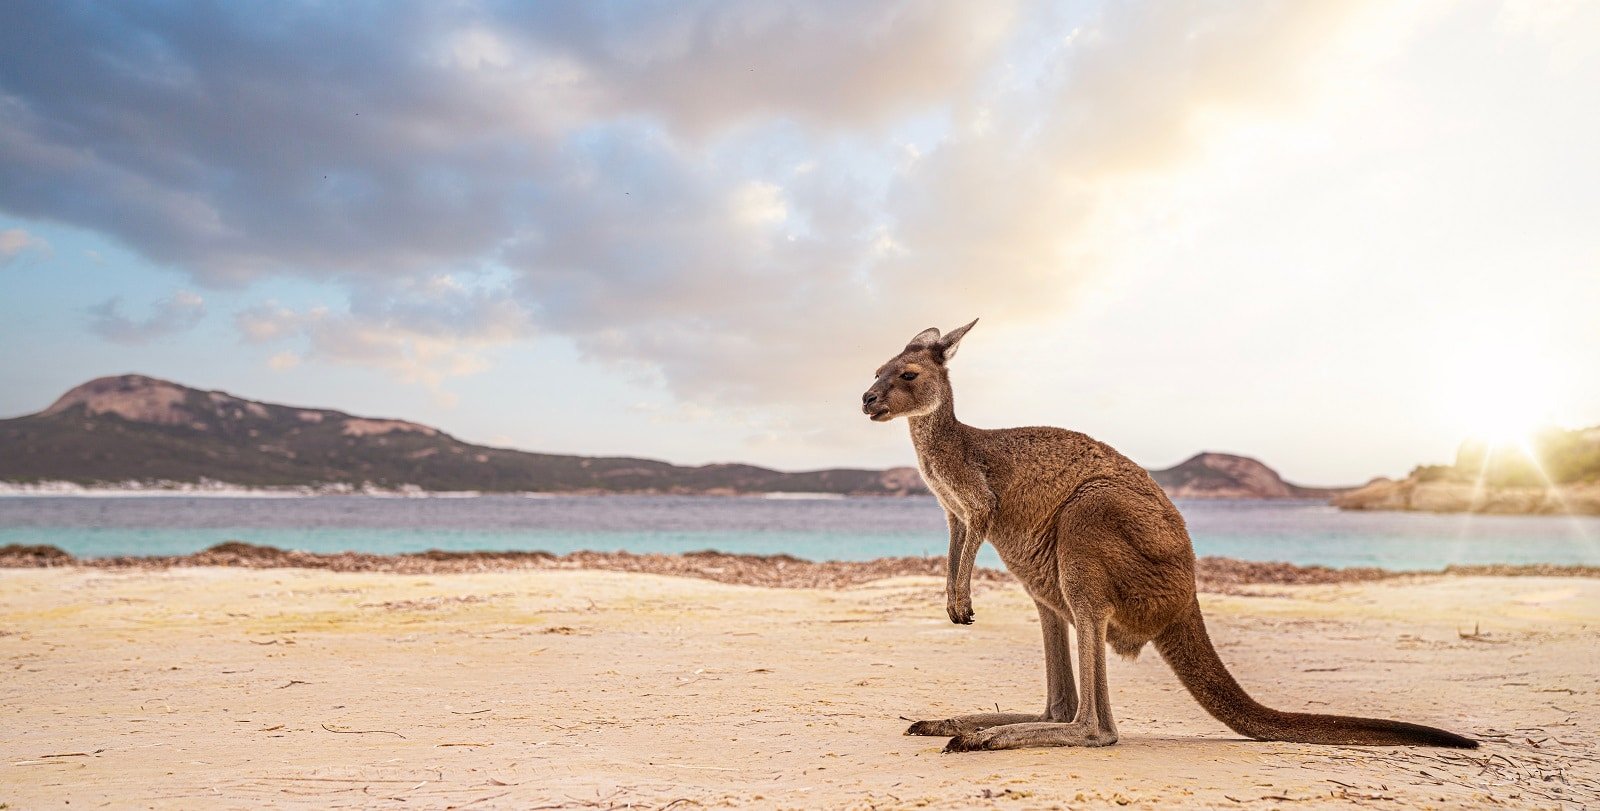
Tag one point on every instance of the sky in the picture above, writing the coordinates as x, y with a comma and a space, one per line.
1340, 237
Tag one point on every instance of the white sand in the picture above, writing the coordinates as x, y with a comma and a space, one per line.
232, 688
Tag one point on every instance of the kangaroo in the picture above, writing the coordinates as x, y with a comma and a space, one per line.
1099, 547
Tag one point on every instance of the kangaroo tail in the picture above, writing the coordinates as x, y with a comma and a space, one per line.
1188, 650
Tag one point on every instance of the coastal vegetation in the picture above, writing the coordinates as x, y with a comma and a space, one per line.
1553, 471
1551, 456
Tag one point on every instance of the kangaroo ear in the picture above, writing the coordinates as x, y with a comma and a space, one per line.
927, 337
947, 346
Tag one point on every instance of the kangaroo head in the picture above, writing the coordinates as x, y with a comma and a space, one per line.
914, 382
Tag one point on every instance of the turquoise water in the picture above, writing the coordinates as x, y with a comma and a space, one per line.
822, 529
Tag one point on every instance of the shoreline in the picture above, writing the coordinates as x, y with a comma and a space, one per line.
1378, 496
1212, 574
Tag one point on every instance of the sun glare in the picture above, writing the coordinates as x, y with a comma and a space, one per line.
1502, 397
1502, 418
1499, 396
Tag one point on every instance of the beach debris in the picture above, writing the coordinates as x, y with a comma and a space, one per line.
483, 800
432, 603
363, 731
699, 675
1214, 574
1014, 794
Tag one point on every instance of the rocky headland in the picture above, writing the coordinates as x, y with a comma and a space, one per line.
1556, 473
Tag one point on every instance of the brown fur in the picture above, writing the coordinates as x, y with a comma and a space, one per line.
1099, 546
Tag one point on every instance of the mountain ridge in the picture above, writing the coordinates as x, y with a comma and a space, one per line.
139, 428
135, 428
1213, 475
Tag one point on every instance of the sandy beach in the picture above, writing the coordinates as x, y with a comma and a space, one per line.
230, 687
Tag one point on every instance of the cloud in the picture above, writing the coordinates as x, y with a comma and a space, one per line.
14, 242
179, 313
835, 64
414, 140
1000, 216
758, 201
421, 332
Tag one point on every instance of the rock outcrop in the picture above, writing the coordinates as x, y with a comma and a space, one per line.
1555, 472
1412, 495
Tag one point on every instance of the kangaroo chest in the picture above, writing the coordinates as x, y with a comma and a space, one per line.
941, 490
951, 485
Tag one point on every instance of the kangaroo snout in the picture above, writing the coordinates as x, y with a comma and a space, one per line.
872, 405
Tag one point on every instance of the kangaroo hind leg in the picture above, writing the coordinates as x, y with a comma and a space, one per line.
962, 724
1061, 701
1088, 530
1091, 726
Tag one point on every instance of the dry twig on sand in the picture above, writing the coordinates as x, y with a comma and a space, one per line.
363, 731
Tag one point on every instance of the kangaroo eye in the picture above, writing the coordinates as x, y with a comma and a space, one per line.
908, 376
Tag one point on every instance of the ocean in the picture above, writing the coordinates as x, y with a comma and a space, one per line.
1301, 532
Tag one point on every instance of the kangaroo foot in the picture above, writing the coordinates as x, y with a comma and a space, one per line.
1019, 736
968, 723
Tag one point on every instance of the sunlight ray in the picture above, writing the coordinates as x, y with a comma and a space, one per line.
1552, 490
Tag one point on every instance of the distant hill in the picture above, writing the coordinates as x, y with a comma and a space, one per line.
1558, 472
1221, 475
135, 428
